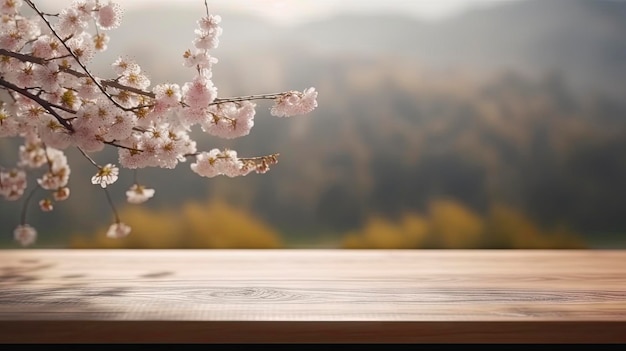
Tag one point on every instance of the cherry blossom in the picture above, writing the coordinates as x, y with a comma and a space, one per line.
109, 16
61, 194
138, 194
25, 234
46, 205
295, 103
118, 230
107, 175
52, 102
12, 184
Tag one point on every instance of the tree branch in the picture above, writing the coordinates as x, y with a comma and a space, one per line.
42, 102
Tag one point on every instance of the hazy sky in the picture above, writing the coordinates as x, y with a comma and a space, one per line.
290, 11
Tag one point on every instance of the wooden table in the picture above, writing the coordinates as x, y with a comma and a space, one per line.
312, 296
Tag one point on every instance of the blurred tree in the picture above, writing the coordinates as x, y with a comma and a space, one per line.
508, 228
452, 225
213, 225
380, 233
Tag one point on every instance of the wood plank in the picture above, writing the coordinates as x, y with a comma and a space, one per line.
313, 296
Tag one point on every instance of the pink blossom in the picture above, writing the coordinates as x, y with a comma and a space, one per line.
210, 22
167, 94
82, 46
25, 234
295, 103
10, 7
12, 184
199, 93
61, 194
44, 47
199, 59
125, 65
11, 40
8, 124
230, 120
216, 162
46, 205
70, 23
25, 77
109, 16
101, 41
135, 80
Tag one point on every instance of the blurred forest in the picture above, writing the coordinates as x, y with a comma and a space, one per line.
503, 127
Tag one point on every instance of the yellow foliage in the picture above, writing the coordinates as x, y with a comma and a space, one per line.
221, 226
211, 225
450, 225
562, 237
510, 228
453, 226
380, 233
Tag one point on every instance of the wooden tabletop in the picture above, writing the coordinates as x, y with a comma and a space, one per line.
313, 296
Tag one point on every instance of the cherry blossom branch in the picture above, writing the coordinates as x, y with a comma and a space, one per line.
219, 101
150, 127
42, 102
115, 84
104, 82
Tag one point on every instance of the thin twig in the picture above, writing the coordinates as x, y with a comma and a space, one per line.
88, 157
113, 143
25, 205
117, 217
246, 98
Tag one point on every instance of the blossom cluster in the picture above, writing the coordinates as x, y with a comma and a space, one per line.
52, 102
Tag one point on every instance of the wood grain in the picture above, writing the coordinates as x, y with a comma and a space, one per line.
368, 296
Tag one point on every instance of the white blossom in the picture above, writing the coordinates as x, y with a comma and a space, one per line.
138, 194
106, 175
25, 234
118, 230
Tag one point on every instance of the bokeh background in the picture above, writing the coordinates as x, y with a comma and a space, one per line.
441, 124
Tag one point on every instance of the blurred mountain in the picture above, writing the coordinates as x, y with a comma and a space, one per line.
583, 39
